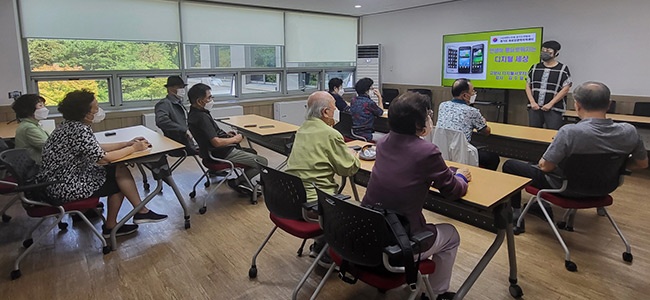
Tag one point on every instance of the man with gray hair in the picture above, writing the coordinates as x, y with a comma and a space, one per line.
319, 152
594, 134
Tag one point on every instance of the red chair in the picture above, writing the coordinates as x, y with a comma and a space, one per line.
285, 197
588, 180
362, 244
24, 169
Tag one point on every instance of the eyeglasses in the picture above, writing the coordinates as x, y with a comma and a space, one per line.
430, 113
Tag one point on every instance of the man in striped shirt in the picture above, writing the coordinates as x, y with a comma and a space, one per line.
547, 85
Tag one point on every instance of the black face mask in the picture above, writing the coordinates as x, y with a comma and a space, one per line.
545, 56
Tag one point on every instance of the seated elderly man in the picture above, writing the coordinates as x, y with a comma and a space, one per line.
319, 151
592, 135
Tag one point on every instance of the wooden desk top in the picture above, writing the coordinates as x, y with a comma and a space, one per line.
159, 143
240, 122
385, 114
486, 188
522, 132
8, 131
615, 117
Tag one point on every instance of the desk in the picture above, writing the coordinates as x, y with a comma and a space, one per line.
277, 137
640, 121
381, 123
515, 141
8, 130
486, 205
154, 159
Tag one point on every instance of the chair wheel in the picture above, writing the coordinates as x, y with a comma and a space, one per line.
146, 186
192, 194
252, 272
27, 243
571, 266
6, 218
15, 274
601, 211
515, 291
187, 224
63, 225
518, 230
561, 225
206, 184
202, 210
106, 250
627, 256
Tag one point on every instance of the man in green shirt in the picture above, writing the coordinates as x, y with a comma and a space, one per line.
319, 152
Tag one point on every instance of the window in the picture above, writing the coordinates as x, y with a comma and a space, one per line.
206, 56
93, 55
54, 90
260, 83
149, 88
346, 76
201, 56
221, 84
303, 81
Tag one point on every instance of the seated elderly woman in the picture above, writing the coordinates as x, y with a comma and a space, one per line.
73, 155
405, 168
364, 110
30, 109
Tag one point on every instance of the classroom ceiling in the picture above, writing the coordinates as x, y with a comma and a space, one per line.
343, 7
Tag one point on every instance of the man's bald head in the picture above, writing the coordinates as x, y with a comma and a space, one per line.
592, 96
317, 102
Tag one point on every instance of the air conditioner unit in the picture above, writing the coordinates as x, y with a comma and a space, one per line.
369, 63
290, 111
149, 120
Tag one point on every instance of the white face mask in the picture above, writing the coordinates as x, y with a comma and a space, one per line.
180, 93
341, 91
99, 116
472, 99
428, 128
41, 113
209, 105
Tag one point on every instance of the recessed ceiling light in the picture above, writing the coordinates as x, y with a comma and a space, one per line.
357, 6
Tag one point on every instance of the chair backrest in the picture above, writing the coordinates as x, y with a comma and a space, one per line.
641, 109
284, 194
20, 165
344, 126
358, 234
612, 107
593, 174
389, 95
453, 146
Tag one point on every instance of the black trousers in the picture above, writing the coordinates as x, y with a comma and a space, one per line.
488, 160
525, 169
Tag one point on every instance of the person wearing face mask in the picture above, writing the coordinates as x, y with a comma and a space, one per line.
405, 168
30, 109
171, 115
221, 144
364, 110
547, 85
73, 155
319, 153
337, 91
457, 114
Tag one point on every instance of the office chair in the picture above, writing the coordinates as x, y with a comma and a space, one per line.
588, 181
362, 244
24, 170
641, 109
344, 126
388, 96
285, 198
7, 186
612, 107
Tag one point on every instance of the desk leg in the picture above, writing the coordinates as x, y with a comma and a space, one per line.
460, 294
133, 212
170, 181
354, 189
515, 289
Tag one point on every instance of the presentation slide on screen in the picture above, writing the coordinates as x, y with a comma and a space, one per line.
492, 59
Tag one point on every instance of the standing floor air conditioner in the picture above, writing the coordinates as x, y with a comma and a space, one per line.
368, 64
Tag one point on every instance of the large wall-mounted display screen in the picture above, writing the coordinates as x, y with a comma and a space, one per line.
492, 59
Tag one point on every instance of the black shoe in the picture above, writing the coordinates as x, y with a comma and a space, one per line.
536, 211
522, 227
126, 229
232, 183
314, 249
213, 174
149, 217
325, 261
247, 190
446, 296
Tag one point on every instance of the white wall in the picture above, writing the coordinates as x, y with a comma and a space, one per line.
12, 76
602, 40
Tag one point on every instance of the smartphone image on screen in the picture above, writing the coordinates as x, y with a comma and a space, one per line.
477, 58
464, 59
452, 60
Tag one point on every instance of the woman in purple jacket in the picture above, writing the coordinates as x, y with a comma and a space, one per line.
405, 167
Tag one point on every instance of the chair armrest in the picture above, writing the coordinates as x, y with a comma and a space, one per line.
556, 176
310, 206
420, 238
310, 212
34, 186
